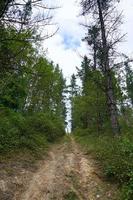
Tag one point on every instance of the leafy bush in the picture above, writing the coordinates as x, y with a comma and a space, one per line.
116, 156
32, 132
43, 123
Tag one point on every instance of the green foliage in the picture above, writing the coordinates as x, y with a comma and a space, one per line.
46, 89
127, 191
40, 123
91, 121
71, 196
32, 132
89, 108
32, 104
13, 91
32, 101
129, 82
116, 156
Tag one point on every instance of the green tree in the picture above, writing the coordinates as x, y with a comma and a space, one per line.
73, 93
129, 82
102, 9
89, 111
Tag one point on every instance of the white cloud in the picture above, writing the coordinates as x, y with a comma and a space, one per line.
68, 22
68, 58
67, 55
127, 7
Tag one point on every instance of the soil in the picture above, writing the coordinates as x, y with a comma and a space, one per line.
66, 173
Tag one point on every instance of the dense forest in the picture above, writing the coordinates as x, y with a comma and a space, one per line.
34, 93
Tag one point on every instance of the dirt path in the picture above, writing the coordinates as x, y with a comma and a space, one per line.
67, 174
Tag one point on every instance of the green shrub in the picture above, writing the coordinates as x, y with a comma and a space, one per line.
127, 190
30, 131
48, 126
116, 156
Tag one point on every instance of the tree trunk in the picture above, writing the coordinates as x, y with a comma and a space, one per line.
95, 55
111, 102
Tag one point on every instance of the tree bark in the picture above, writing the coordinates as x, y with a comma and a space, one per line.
111, 102
95, 55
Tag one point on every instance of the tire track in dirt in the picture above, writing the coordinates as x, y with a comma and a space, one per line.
67, 170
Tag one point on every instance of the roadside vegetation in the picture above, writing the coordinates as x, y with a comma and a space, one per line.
102, 106
32, 98
115, 157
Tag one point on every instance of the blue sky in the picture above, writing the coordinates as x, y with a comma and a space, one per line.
70, 42
66, 47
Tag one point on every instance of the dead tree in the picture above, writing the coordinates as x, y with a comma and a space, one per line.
27, 15
104, 14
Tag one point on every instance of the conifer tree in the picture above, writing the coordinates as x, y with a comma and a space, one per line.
102, 10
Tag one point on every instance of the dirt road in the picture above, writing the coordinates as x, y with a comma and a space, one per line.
66, 174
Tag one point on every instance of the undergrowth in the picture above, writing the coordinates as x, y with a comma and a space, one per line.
32, 132
71, 196
115, 155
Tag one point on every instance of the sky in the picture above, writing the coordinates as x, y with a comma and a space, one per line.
66, 47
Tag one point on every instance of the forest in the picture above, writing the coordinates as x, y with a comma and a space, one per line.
34, 91
32, 88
